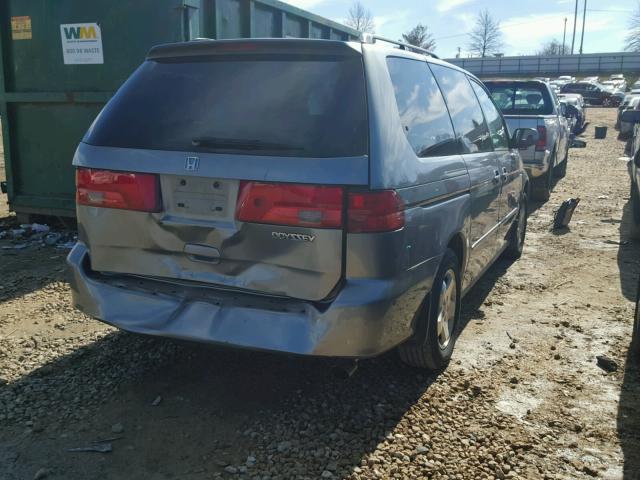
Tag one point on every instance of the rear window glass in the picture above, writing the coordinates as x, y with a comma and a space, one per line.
521, 98
255, 105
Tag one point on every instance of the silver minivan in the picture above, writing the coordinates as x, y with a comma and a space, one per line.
311, 197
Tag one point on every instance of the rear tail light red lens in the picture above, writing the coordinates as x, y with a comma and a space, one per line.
381, 211
319, 207
541, 144
290, 204
122, 190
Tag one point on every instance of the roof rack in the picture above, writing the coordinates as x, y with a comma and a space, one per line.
370, 38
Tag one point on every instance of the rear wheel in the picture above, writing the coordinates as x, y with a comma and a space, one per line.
541, 187
432, 345
561, 170
518, 231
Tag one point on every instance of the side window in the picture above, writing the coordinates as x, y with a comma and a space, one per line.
499, 135
468, 121
423, 113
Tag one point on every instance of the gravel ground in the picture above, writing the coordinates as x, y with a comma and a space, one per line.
522, 398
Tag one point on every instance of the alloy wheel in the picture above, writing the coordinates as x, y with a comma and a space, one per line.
447, 309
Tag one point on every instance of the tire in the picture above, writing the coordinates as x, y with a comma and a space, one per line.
560, 171
607, 102
541, 187
432, 345
634, 229
518, 230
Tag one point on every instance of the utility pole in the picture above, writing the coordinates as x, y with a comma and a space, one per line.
584, 17
575, 21
564, 35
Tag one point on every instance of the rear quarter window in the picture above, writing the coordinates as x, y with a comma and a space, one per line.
423, 112
468, 121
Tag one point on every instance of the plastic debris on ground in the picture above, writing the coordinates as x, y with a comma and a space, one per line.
21, 237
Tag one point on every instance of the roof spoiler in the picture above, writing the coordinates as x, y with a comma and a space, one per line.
248, 46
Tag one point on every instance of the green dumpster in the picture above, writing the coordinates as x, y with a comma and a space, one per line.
61, 60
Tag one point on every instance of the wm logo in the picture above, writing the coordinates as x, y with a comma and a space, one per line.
80, 33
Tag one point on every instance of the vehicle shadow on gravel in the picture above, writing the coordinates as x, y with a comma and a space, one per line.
221, 405
628, 255
190, 409
628, 422
215, 408
629, 417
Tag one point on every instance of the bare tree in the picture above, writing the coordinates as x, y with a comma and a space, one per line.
552, 47
632, 40
486, 36
420, 36
360, 18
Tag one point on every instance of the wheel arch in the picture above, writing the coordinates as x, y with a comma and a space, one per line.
459, 245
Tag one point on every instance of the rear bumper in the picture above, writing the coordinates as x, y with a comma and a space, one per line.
368, 317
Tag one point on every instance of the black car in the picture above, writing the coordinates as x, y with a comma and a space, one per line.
593, 93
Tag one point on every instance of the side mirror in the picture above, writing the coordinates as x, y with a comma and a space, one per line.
630, 116
523, 138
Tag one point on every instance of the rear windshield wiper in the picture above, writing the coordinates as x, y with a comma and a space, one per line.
241, 144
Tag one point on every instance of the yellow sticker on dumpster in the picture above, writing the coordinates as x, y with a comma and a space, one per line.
21, 28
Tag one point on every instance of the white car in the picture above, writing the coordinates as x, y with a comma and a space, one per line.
591, 79
578, 98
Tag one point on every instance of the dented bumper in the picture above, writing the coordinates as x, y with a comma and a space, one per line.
367, 317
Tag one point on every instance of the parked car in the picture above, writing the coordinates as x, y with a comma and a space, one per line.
591, 79
635, 88
623, 107
626, 128
633, 117
574, 112
593, 93
310, 197
615, 85
531, 104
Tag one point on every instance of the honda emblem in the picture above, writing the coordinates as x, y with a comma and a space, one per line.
191, 164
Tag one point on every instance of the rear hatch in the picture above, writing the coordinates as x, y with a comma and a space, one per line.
228, 164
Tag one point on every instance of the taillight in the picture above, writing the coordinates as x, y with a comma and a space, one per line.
541, 144
122, 190
290, 204
381, 211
